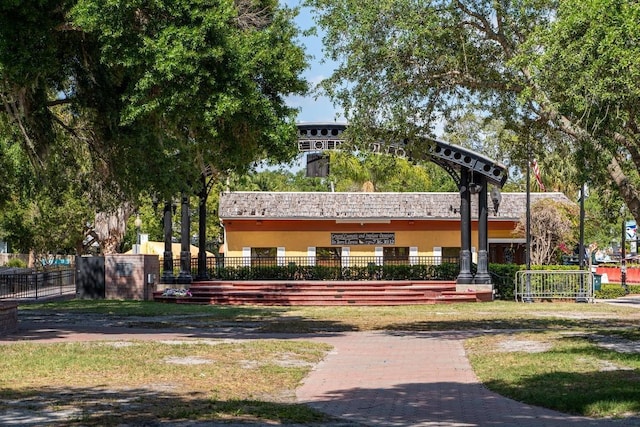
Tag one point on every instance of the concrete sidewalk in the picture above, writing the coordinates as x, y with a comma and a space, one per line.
370, 378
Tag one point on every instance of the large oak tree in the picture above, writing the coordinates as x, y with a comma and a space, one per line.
154, 91
558, 74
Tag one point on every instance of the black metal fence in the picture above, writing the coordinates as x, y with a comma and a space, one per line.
314, 268
18, 283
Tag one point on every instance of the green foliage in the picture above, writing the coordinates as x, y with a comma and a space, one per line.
104, 102
213, 77
503, 277
276, 180
48, 206
634, 289
387, 173
610, 291
561, 77
349, 172
444, 271
16, 263
589, 71
554, 267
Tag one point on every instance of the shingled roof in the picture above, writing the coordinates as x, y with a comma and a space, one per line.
371, 206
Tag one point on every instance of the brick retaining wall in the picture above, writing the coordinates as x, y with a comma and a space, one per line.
8, 317
127, 276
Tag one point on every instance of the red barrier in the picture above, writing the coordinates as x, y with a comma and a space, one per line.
614, 275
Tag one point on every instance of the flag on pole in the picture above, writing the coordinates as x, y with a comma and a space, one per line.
536, 172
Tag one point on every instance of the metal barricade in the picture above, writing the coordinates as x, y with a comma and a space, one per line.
541, 285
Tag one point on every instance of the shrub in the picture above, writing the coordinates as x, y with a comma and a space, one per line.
610, 291
634, 289
16, 263
445, 271
503, 277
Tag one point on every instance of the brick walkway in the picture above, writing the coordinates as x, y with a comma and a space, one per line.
396, 379
370, 378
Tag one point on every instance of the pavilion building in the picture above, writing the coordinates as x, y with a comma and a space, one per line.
387, 227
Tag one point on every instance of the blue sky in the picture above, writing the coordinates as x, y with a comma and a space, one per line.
312, 109
317, 109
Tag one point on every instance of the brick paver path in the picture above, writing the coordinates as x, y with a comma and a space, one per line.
409, 379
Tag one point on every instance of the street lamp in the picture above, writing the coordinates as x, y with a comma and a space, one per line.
137, 223
496, 198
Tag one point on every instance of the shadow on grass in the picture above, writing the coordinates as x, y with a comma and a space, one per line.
148, 308
443, 404
437, 403
55, 322
575, 376
497, 323
274, 319
141, 406
589, 393
53, 332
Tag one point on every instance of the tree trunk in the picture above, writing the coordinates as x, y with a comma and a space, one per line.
110, 228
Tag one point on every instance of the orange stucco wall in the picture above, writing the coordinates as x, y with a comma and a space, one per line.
296, 236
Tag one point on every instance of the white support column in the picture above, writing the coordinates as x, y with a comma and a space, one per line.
280, 254
246, 256
346, 252
311, 255
379, 254
437, 252
413, 255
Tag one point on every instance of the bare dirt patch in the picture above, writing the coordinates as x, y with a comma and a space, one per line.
189, 360
526, 346
617, 344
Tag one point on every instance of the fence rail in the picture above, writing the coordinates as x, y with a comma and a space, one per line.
540, 285
317, 268
28, 284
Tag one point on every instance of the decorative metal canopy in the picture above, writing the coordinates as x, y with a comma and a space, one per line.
452, 158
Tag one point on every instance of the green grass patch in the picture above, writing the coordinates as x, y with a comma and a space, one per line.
147, 308
292, 319
568, 373
108, 383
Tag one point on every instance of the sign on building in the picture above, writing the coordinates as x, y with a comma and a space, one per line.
354, 239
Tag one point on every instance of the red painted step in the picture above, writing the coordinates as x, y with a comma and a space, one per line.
320, 293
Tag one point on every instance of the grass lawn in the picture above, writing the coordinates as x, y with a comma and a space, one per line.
569, 372
565, 356
135, 382
485, 316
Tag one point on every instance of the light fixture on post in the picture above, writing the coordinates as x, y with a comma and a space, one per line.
475, 188
496, 198
138, 224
